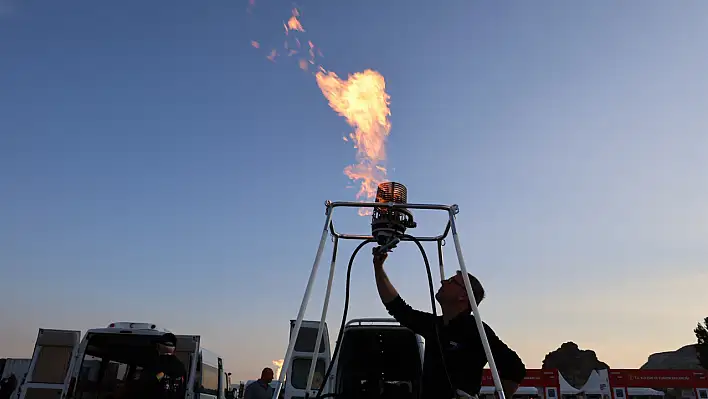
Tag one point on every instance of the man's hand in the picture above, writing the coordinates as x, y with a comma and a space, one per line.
379, 258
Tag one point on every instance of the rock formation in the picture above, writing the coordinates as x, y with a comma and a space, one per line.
574, 364
684, 358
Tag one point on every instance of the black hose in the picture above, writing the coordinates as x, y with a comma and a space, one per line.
346, 310
344, 318
432, 302
427, 270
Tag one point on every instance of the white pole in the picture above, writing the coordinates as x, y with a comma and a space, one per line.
440, 261
325, 307
303, 304
475, 310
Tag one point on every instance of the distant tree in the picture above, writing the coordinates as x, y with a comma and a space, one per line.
702, 342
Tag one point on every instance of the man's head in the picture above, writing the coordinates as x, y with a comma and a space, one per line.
452, 294
267, 375
166, 344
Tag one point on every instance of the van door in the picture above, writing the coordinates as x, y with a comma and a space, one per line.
187, 351
220, 384
299, 370
54, 353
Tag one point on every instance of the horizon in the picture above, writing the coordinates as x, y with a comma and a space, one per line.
156, 166
276, 368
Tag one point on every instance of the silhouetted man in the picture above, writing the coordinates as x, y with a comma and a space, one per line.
455, 361
261, 389
165, 376
7, 386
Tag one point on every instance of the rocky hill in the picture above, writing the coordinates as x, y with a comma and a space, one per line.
683, 358
573, 363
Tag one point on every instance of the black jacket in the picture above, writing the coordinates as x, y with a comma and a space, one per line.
464, 357
164, 378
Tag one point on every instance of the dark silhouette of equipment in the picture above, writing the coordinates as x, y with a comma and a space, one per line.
389, 223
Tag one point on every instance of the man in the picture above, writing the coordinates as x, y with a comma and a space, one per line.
8, 386
261, 389
165, 376
460, 365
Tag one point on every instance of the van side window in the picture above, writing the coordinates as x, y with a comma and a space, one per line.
301, 370
210, 380
306, 340
101, 376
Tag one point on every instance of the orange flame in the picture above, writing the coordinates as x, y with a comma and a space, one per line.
278, 364
362, 100
294, 23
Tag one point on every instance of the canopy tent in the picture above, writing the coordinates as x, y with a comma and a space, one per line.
599, 384
565, 387
596, 385
631, 391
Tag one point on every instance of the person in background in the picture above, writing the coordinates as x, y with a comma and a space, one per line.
455, 360
261, 389
164, 377
8, 386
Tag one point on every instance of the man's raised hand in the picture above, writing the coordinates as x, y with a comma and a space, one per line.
379, 257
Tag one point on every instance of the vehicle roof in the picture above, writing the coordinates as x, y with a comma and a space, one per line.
116, 331
134, 327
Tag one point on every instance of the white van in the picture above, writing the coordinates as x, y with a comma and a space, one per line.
375, 354
98, 366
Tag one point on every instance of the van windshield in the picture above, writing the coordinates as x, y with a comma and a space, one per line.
113, 360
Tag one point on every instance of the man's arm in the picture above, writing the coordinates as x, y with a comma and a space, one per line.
183, 375
419, 322
510, 366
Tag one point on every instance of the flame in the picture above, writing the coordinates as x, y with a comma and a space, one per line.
362, 100
294, 23
278, 364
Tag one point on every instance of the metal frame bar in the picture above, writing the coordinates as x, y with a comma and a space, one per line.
333, 231
440, 259
325, 307
452, 211
372, 320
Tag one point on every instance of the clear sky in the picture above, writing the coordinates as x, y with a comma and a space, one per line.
154, 166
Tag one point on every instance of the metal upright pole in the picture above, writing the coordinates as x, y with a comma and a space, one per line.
475, 310
303, 304
325, 307
440, 261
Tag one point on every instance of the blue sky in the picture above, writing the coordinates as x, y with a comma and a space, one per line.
154, 166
